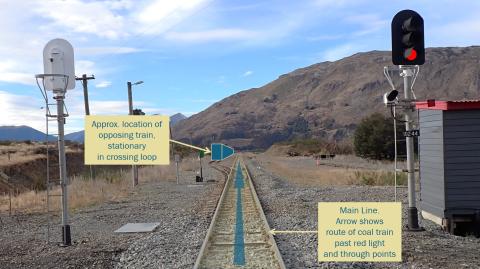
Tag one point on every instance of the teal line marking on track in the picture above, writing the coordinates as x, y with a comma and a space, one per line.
239, 250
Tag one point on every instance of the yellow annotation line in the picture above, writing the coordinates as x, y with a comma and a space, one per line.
206, 150
274, 232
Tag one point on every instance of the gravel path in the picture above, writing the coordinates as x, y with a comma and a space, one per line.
290, 207
184, 212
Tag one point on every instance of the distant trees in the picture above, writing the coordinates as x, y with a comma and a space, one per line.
374, 138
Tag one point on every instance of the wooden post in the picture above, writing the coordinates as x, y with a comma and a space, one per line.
10, 202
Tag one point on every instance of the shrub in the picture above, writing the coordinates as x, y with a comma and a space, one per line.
378, 178
374, 138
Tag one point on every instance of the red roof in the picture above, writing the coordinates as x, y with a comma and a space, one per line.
448, 105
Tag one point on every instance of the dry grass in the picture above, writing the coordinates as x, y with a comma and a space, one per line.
81, 193
109, 185
12, 153
343, 170
314, 176
377, 178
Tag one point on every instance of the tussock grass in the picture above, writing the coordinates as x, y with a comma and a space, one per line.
342, 170
108, 185
377, 178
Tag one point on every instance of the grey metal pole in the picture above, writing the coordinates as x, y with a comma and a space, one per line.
130, 112
67, 241
412, 212
396, 150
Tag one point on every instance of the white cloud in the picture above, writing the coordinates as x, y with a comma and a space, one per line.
111, 107
248, 73
85, 67
22, 110
466, 32
17, 77
90, 51
369, 23
103, 84
339, 52
159, 16
212, 35
83, 17
119, 4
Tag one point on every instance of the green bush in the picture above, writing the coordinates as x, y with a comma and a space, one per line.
374, 138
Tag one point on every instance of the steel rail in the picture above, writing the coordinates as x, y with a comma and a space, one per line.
259, 246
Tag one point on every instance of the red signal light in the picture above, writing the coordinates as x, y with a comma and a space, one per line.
411, 54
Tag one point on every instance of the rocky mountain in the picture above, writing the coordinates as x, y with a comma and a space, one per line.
328, 99
22, 133
176, 118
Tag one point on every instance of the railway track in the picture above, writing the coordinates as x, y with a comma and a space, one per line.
225, 170
238, 236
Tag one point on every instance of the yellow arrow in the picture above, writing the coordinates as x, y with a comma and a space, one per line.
206, 149
274, 232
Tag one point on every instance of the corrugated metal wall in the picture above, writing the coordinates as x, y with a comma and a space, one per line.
432, 162
462, 159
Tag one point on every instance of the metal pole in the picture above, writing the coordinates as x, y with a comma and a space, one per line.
130, 112
407, 75
396, 152
67, 241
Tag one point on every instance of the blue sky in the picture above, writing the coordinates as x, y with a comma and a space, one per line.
192, 53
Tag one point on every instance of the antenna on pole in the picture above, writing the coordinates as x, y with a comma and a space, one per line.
58, 77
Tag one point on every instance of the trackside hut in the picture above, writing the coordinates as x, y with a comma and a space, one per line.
449, 148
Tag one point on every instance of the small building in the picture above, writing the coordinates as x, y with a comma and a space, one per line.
449, 152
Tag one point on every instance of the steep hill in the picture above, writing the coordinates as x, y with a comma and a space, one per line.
21, 133
176, 118
328, 99
76, 136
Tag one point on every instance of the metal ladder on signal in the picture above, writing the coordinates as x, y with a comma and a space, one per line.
403, 157
51, 147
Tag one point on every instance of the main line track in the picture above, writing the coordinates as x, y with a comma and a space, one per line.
238, 236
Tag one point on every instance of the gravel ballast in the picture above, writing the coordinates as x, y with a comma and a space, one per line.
291, 207
184, 212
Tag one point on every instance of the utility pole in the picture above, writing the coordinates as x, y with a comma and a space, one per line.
407, 74
85, 80
130, 112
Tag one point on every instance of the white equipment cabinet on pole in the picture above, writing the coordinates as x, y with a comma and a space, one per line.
58, 77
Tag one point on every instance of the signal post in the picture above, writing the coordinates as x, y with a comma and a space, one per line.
408, 51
